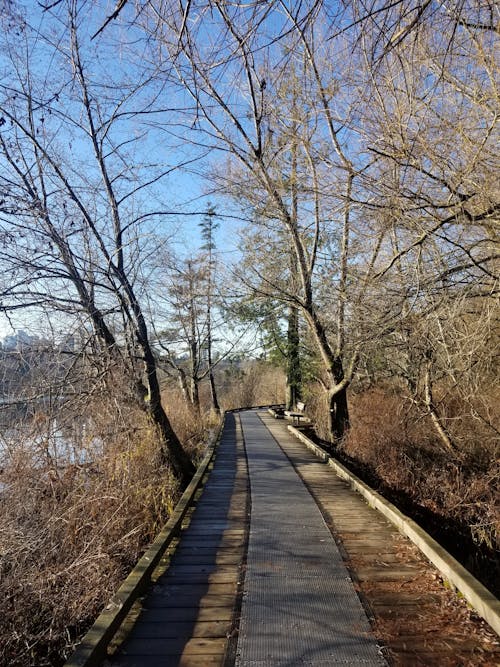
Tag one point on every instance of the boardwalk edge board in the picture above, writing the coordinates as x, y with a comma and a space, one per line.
477, 595
92, 649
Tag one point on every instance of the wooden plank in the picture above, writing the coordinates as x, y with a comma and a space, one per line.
193, 600
174, 660
215, 577
162, 615
183, 629
190, 660
185, 570
174, 646
226, 541
187, 588
386, 573
391, 601
426, 657
205, 547
201, 530
418, 621
225, 558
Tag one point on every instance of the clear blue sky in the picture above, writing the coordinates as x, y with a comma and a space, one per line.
184, 190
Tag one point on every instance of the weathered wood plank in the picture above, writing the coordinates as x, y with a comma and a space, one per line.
193, 600
151, 646
183, 629
419, 621
220, 557
160, 615
188, 616
175, 660
185, 570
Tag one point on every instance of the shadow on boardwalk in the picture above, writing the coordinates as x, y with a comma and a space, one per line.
187, 616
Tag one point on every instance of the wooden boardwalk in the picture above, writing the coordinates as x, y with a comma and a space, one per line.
191, 616
417, 619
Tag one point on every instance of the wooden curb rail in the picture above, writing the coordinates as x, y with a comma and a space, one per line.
92, 649
477, 595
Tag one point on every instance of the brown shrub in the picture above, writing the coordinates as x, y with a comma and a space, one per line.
72, 526
255, 383
391, 437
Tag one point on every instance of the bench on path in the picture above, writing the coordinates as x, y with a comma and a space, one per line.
277, 411
298, 414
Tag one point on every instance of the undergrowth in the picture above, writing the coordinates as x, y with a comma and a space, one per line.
454, 495
75, 518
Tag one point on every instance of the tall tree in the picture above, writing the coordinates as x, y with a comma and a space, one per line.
258, 130
68, 223
208, 226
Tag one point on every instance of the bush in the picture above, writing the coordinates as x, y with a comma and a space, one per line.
456, 493
72, 525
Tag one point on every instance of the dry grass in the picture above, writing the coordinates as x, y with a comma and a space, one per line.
454, 494
256, 383
400, 446
192, 428
70, 530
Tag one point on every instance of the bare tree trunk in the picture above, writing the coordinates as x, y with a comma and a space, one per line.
431, 407
195, 394
339, 379
208, 227
211, 379
293, 371
181, 375
338, 423
293, 375
172, 451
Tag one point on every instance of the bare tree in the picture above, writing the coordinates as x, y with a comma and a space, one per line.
432, 127
257, 130
69, 228
208, 228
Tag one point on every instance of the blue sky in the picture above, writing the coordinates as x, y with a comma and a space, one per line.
183, 190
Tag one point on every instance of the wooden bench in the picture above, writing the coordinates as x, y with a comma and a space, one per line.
277, 411
298, 414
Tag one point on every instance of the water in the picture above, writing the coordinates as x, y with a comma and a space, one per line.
53, 442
